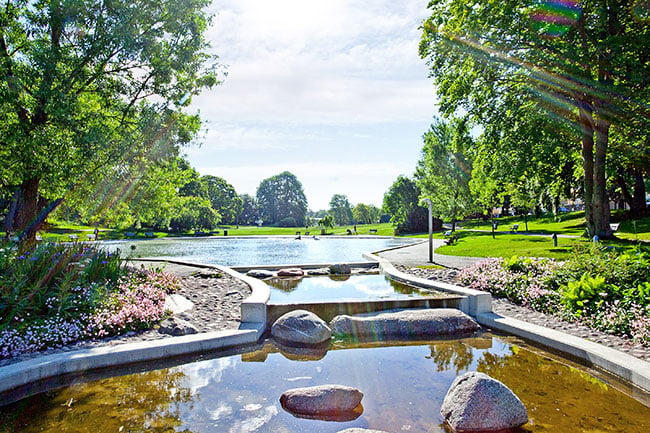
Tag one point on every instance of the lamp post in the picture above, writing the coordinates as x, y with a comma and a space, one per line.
428, 201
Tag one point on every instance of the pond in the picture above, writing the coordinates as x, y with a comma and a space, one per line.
404, 384
240, 251
341, 289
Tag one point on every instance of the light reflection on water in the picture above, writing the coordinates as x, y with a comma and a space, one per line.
229, 251
403, 385
341, 288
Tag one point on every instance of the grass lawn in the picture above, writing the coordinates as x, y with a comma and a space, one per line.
476, 244
572, 223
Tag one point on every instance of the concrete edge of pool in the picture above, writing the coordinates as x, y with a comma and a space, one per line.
477, 304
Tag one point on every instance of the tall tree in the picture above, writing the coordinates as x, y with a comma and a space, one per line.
250, 213
89, 85
341, 209
402, 203
224, 198
586, 65
444, 170
281, 196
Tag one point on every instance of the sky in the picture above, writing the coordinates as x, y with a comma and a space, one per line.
332, 91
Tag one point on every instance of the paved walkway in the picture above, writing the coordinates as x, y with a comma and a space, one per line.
418, 255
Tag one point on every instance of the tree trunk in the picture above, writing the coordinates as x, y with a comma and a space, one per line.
638, 200
586, 128
601, 210
30, 216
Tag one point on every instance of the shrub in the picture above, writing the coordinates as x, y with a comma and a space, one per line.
601, 288
57, 294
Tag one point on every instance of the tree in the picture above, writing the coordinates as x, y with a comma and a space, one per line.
326, 222
444, 170
590, 72
194, 213
281, 196
366, 213
341, 209
250, 213
89, 85
401, 202
224, 198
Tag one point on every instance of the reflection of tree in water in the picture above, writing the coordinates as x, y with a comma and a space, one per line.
149, 401
451, 353
405, 289
286, 284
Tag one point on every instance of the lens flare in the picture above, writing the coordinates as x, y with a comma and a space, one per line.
553, 18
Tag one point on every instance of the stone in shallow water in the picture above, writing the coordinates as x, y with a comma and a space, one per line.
301, 327
329, 402
291, 272
340, 268
405, 323
477, 402
260, 273
360, 430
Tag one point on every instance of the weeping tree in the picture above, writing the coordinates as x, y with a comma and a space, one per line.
87, 87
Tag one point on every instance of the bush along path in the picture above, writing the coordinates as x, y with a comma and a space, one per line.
595, 293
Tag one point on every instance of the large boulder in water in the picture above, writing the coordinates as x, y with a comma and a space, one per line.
405, 323
301, 327
290, 272
340, 269
476, 402
323, 402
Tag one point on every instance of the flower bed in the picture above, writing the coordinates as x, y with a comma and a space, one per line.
602, 289
58, 294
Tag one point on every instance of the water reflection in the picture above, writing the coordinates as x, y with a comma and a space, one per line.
403, 385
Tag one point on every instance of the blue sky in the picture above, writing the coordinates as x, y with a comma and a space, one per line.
332, 91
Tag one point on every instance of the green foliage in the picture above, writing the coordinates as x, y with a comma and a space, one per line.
281, 196
88, 89
223, 198
402, 203
577, 293
287, 222
54, 277
445, 169
327, 222
341, 209
366, 214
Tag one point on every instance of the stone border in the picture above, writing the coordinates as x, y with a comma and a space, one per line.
253, 326
474, 301
478, 304
251, 329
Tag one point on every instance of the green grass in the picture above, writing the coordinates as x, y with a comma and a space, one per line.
475, 244
572, 223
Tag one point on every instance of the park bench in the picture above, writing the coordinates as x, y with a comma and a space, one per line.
73, 238
447, 233
306, 233
514, 227
614, 226
91, 237
373, 231
129, 234
149, 235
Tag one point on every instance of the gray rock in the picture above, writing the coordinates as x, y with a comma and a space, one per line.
321, 400
176, 326
178, 304
477, 402
300, 326
320, 271
405, 323
340, 268
360, 430
260, 273
290, 272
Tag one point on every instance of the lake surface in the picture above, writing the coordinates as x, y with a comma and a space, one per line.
403, 383
341, 289
242, 251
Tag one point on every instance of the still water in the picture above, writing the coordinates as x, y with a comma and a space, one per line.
341, 289
256, 251
403, 385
